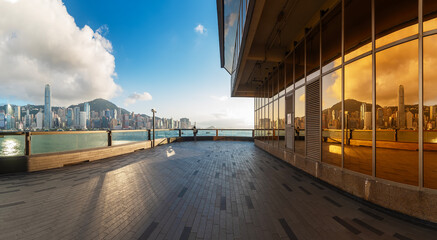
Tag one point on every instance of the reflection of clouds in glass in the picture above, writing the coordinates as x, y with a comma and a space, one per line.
231, 13
230, 22
302, 98
358, 80
331, 89
299, 110
429, 70
402, 33
397, 66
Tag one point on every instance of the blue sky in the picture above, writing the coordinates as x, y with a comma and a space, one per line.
157, 50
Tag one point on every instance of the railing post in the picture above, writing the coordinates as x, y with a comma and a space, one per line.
109, 138
180, 132
27, 140
253, 133
148, 134
216, 132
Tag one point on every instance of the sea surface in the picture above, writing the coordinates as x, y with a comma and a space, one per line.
14, 145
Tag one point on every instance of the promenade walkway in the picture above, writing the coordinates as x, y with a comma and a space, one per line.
188, 190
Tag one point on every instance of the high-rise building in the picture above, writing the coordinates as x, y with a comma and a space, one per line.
17, 113
185, 123
76, 116
47, 108
87, 110
82, 120
70, 117
2, 120
39, 120
28, 117
401, 108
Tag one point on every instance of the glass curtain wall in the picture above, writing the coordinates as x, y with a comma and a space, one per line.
332, 88
397, 91
358, 120
353, 116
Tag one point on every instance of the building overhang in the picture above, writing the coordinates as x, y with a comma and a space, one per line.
268, 36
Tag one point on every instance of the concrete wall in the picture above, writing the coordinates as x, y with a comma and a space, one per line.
413, 201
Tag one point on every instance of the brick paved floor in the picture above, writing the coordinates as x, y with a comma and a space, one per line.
189, 190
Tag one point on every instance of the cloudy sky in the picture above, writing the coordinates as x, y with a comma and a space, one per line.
138, 54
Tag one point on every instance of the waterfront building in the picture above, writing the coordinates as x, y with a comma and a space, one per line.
2, 120
82, 120
87, 110
70, 118
17, 113
47, 108
353, 81
185, 123
28, 117
39, 120
76, 116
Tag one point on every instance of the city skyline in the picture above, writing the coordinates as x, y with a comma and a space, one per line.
95, 55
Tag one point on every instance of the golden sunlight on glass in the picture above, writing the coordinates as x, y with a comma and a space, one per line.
397, 35
364, 49
299, 121
397, 110
430, 111
331, 117
358, 116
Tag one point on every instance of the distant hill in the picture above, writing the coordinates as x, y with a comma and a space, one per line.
352, 105
99, 105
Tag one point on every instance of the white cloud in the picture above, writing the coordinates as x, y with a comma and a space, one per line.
133, 98
40, 43
200, 29
221, 98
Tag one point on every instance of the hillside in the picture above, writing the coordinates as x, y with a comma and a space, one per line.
99, 105
352, 105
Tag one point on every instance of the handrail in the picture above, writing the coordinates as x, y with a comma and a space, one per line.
28, 134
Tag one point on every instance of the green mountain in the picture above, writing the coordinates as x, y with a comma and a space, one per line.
99, 105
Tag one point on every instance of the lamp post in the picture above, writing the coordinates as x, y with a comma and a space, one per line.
153, 126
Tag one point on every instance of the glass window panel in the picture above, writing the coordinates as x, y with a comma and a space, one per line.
281, 80
275, 123
289, 72
231, 15
429, 15
397, 113
281, 122
270, 121
299, 61
313, 53
357, 28
331, 118
331, 39
299, 121
394, 20
430, 112
358, 116
289, 117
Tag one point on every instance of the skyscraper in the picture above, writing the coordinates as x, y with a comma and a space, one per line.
401, 108
70, 117
17, 113
77, 116
47, 108
87, 110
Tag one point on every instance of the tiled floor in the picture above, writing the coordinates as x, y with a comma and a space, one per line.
190, 190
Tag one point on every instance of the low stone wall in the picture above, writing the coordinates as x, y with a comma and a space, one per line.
40, 162
46, 161
413, 201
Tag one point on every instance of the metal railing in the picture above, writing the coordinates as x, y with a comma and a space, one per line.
28, 143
